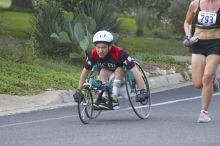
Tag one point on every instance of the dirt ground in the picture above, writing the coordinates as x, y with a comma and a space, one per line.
150, 65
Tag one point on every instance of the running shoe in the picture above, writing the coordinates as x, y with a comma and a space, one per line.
204, 117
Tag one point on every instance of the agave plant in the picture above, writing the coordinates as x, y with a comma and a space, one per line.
47, 21
78, 30
141, 19
103, 11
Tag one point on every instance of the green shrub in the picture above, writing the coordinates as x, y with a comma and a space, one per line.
176, 16
142, 16
78, 30
103, 11
47, 20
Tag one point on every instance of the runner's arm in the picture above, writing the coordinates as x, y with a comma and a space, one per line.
189, 17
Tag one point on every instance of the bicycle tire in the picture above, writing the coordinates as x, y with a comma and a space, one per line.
95, 113
85, 107
95, 93
141, 109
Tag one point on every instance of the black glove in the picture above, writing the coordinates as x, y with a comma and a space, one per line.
78, 96
142, 96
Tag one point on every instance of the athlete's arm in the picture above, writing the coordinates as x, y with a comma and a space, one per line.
137, 77
125, 59
86, 70
83, 77
130, 65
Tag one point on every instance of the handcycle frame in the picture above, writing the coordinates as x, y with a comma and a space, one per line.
94, 87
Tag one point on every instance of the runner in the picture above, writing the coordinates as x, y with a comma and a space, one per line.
205, 48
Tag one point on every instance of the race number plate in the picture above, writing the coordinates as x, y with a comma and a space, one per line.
207, 18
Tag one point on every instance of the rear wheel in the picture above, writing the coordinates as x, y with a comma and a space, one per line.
141, 109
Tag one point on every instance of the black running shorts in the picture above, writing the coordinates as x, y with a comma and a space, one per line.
206, 47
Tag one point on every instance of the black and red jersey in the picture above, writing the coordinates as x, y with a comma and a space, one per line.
116, 57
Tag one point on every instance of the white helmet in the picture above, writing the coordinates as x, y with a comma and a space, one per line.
103, 36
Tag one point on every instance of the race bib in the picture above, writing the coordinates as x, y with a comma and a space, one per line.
207, 18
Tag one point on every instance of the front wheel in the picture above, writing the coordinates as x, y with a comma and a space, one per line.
94, 93
141, 109
85, 107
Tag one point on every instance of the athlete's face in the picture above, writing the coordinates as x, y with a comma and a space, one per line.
102, 49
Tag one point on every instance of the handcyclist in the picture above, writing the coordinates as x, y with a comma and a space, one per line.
205, 49
110, 59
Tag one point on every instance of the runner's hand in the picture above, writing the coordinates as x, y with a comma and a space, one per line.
188, 41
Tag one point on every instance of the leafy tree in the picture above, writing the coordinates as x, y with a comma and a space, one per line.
159, 9
176, 16
129, 6
70, 5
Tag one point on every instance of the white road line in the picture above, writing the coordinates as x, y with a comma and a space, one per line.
180, 100
36, 121
65, 117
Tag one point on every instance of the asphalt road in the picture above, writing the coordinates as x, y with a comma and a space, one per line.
172, 123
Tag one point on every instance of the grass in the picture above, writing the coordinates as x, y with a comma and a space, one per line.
127, 24
15, 24
5, 3
27, 79
140, 45
24, 73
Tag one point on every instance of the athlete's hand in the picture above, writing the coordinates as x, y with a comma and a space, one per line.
193, 40
78, 95
188, 41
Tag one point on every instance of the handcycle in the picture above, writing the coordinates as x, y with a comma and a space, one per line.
93, 89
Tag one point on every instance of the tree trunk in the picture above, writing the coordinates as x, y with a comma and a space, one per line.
22, 4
